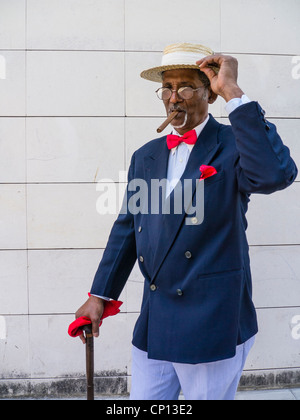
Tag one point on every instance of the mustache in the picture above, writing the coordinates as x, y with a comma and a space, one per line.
176, 108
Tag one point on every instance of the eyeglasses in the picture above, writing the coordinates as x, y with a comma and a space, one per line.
185, 92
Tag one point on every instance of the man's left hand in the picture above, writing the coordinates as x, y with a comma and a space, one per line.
223, 83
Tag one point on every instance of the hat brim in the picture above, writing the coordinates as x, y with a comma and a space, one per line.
155, 74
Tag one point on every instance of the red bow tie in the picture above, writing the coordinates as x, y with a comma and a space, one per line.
189, 138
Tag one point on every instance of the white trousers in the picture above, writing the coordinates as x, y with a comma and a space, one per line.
161, 380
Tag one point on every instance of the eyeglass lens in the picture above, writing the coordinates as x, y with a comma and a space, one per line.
183, 93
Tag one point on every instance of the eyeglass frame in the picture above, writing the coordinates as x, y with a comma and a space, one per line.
177, 92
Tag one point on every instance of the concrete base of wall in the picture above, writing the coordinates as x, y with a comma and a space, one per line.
270, 379
118, 385
62, 387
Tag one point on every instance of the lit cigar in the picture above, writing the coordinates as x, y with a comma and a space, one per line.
167, 121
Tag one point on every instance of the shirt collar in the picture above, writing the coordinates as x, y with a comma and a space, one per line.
198, 130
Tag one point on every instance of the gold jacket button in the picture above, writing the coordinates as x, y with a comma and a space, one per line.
153, 287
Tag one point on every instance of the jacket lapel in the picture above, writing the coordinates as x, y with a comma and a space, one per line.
156, 164
169, 224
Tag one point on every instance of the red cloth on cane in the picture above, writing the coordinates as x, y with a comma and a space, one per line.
207, 171
111, 308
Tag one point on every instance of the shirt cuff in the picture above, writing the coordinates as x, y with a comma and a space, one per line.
101, 297
234, 103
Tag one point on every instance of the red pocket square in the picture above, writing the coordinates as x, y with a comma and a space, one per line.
111, 308
207, 171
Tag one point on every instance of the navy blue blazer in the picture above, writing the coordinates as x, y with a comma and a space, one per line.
197, 303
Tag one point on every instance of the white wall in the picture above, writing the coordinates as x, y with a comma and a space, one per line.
70, 97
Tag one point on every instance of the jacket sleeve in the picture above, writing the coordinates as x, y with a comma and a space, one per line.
120, 253
264, 164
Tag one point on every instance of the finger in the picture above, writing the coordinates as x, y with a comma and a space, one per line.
206, 60
209, 63
198, 62
210, 73
215, 59
82, 338
95, 328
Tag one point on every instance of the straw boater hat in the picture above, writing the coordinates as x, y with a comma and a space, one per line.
178, 56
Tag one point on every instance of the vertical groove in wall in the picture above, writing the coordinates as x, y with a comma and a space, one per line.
26, 191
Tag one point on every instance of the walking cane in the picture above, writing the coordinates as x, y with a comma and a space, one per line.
84, 324
89, 352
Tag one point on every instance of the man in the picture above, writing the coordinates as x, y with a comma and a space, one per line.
197, 321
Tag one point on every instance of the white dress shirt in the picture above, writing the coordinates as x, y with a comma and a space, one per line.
179, 157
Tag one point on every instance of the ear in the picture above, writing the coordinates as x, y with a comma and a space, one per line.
212, 96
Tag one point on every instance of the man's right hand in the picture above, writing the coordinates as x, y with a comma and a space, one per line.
93, 308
